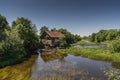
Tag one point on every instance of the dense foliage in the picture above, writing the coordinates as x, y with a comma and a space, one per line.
21, 40
11, 48
104, 35
114, 46
113, 36
18, 41
42, 29
3, 26
69, 37
27, 32
3, 23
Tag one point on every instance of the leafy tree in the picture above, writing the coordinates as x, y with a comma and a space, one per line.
85, 38
44, 28
77, 38
112, 34
92, 37
27, 32
54, 29
18, 41
3, 26
23, 21
11, 49
104, 35
3, 23
118, 35
101, 36
114, 46
69, 38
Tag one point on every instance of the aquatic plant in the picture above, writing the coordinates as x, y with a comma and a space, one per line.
112, 74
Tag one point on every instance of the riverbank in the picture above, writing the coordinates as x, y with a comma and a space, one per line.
84, 42
20, 71
97, 54
13, 60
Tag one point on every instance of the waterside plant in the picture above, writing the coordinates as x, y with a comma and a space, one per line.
97, 54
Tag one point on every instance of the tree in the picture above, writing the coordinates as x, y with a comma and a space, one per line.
23, 21
42, 29
114, 46
3, 26
77, 38
104, 35
92, 37
19, 40
11, 49
27, 32
112, 34
69, 38
3, 23
54, 29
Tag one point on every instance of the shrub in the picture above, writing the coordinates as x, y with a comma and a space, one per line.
11, 49
114, 46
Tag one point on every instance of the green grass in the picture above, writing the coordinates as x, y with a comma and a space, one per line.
83, 43
106, 42
97, 54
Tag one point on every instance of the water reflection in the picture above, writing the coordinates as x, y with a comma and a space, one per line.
102, 46
60, 67
116, 65
50, 57
20, 71
112, 74
67, 67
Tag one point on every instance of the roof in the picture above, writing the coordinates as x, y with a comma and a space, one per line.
54, 34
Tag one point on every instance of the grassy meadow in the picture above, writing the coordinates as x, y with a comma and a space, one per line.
97, 54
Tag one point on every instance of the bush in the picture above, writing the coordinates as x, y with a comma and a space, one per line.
114, 46
11, 49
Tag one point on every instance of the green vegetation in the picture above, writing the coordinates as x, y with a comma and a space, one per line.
109, 37
105, 35
3, 23
21, 40
27, 32
112, 74
83, 42
97, 54
20, 71
17, 41
69, 37
11, 48
114, 46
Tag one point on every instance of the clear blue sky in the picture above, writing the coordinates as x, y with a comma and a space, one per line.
81, 17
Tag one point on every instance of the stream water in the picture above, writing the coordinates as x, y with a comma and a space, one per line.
103, 46
57, 67
68, 67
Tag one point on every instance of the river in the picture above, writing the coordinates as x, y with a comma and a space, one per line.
57, 67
